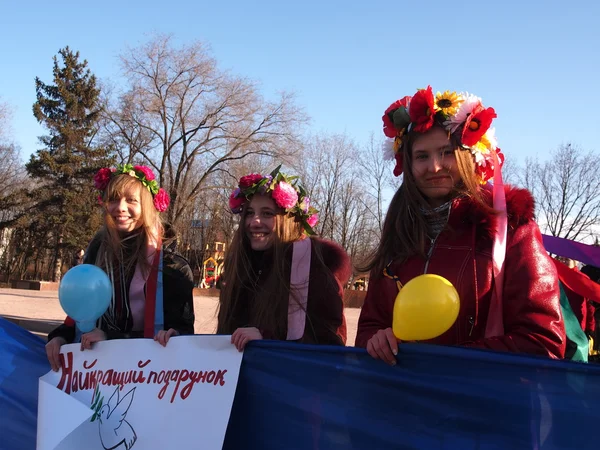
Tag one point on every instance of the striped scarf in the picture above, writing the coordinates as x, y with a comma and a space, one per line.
436, 219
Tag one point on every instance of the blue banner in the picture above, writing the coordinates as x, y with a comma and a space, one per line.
315, 397
22, 362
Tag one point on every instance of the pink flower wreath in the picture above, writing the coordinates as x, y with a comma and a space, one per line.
143, 173
287, 193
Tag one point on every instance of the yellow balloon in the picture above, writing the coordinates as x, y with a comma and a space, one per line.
426, 307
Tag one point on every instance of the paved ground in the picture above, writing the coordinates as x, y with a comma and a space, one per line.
40, 311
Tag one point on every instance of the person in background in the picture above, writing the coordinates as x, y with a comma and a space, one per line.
582, 307
593, 273
77, 258
575, 304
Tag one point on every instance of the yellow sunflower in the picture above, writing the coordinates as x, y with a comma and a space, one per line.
448, 102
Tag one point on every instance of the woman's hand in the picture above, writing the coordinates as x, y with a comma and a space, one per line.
87, 339
242, 336
53, 351
162, 337
383, 345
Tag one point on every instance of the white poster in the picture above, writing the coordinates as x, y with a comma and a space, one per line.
136, 394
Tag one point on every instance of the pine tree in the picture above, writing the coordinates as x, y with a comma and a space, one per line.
63, 169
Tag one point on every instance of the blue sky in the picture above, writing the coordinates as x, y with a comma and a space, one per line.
537, 65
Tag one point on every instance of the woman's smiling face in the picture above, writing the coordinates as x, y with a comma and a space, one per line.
126, 211
260, 222
434, 165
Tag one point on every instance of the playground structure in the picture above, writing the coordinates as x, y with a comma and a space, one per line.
212, 267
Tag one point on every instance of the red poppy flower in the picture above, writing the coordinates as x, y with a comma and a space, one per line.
477, 123
388, 124
487, 173
421, 110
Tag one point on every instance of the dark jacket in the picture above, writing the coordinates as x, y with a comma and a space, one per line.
325, 321
462, 253
178, 300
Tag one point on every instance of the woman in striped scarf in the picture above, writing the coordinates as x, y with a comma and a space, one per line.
152, 286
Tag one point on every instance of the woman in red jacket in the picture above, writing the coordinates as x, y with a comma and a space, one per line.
279, 283
445, 220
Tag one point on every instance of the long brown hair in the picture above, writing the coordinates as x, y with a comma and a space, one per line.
269, 299
112, 241
404, 231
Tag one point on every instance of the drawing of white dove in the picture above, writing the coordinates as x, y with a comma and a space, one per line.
115, 432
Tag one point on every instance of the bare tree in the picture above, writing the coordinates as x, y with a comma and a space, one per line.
12, 179
567, 191
510, 171
377, 175
12, 170
5, 121
339, 186
327, 163
188, 119
12, 173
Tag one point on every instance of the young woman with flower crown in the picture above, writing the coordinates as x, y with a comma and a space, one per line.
152, 286
445, 220
279, 283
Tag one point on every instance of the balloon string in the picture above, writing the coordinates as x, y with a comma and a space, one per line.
388, 274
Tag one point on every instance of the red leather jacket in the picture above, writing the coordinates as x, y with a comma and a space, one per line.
462, 253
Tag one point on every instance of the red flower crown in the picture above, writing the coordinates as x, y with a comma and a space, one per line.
457, 112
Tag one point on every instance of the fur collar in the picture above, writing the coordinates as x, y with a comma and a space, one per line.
520, 207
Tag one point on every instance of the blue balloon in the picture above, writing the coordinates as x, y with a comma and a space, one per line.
84, 294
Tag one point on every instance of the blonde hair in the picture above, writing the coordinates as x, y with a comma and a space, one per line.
151, 226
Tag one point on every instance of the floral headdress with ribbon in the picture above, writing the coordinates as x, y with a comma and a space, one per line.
143, 173
285, 190
461, 114
464, 116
